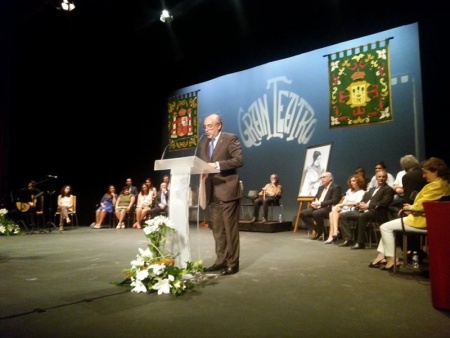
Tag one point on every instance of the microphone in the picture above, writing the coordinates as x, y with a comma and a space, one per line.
164, 152
196, 148
51, 176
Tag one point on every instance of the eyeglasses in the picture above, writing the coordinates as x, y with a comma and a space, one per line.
210, 126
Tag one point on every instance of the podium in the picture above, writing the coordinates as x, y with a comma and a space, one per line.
181, 169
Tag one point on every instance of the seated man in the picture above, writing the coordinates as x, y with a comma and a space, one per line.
269, 195
372, 208
162, 201
327, 195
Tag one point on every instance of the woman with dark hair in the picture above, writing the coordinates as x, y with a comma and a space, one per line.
65, 205
124, 205
437, 174
107, 203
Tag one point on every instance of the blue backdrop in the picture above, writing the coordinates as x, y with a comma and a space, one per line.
281, 108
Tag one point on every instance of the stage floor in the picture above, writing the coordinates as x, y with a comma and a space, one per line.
270, 226
60, 284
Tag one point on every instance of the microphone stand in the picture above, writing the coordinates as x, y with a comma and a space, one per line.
51, 225
198, 144
164, 152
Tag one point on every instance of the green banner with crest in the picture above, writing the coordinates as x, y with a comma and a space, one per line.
360, 87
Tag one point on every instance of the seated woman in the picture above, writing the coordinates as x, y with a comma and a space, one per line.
124, 204
162, 201
65, 205
143, 205
352, 197
269, 195
437, 174
107, 203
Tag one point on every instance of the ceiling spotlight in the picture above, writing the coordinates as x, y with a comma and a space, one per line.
165, 16
67, 5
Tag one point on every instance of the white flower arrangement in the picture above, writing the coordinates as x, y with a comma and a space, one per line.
7, 226
154, 270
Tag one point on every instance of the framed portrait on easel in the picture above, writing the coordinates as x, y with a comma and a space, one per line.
316, 162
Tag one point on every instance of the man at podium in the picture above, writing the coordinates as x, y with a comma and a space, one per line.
222, 151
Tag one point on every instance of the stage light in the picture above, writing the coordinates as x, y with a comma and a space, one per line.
165, 16
67, 5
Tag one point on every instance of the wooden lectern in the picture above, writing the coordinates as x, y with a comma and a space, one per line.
181, 169
300, 200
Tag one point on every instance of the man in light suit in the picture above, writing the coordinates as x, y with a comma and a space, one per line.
223, 151
328, 194
373, 208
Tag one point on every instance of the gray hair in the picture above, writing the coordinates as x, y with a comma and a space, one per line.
328, 174
408, 162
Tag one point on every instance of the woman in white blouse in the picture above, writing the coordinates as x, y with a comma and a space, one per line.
143, 205
352, 197
65, 205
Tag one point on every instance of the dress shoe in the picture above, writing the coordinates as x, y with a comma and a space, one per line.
316, 237
229, 271
264, 220
346, 243
391, 268
254, 219
358, 246
328, 241
378, 264
214, 267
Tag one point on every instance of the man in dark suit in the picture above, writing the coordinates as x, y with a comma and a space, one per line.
413, 181
328, 194
162, 201
373, 208
133, 189
223, 151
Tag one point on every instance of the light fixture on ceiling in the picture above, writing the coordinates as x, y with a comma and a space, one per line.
165, 16
67, 5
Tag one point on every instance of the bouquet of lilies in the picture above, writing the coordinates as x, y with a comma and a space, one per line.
154, 269
7, 226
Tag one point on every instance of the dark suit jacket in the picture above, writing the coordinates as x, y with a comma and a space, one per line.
380, 201
134, 190
228, 153
158, 198
413, 180
332, 197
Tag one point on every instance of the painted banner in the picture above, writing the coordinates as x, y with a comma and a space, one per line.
183, 122
360, 87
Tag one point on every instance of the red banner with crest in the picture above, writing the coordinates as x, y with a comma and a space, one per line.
183, 121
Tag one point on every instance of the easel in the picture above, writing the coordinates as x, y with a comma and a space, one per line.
301, 200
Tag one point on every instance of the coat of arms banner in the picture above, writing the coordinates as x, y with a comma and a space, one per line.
360, 87
183, 122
